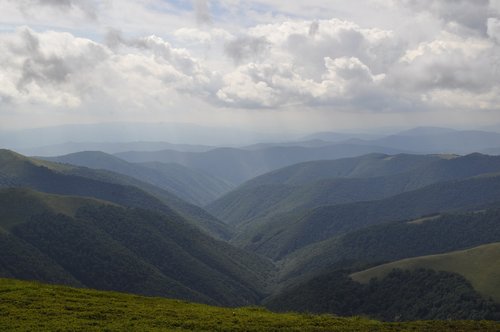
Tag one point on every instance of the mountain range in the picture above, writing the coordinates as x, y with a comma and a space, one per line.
350, 236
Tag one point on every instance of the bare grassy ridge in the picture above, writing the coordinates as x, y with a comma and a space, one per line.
33, 306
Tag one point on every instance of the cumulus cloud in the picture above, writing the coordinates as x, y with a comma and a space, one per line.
313, 28
470, 14
450, 62
38, 67
202, 12
339, 64
437, 54
88, 8
59, 69
246, 47
494, 29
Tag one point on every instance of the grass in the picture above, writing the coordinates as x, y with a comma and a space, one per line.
31, 306
479, 265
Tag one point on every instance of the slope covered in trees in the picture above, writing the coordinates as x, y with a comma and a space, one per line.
193, 186
104, 246
478, 265
371, 177
19, 171
399, 296
394, 241
282, 234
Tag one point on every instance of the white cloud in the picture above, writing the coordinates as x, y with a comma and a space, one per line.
494, 29
58, 69
378, 56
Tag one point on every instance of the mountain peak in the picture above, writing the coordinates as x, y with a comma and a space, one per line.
419, 131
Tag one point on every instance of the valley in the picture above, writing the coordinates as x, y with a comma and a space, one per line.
346, 230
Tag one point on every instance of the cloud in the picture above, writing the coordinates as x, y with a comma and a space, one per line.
279, 85
448, 63
202, 12
38, 67
285, 66
313, 28
494, 29
60, 70
377, 56
470, 14
246, 47
88, 8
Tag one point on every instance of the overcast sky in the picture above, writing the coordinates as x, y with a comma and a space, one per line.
300, 65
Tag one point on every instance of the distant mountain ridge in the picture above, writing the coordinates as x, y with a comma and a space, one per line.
239, 165
108, 147
371, 177
193, 186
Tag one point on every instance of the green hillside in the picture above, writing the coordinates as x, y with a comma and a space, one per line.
398, 296
104, 246
394, 241
33, 306
366, 178
370, 165
19, 171
280, 235
479, 265
193, 186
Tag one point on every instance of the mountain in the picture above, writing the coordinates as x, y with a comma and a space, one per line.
54, 308
320, 183
100, 245
492, 151
239, 165
478, 265
280, 235
108, 147
116, 132
437, 141
398, 296
337, 137
314, 143
316, 183
19, 171
426, 131
373, 245
192, 186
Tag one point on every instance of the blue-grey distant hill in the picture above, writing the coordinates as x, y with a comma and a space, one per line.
239, 165
425, 140
193, 186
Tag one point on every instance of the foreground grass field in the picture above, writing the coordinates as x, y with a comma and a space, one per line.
29, 306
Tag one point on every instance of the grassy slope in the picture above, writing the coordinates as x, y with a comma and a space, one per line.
33, 306
389, 242
479, 265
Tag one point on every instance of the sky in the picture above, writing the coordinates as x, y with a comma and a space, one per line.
267, 65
